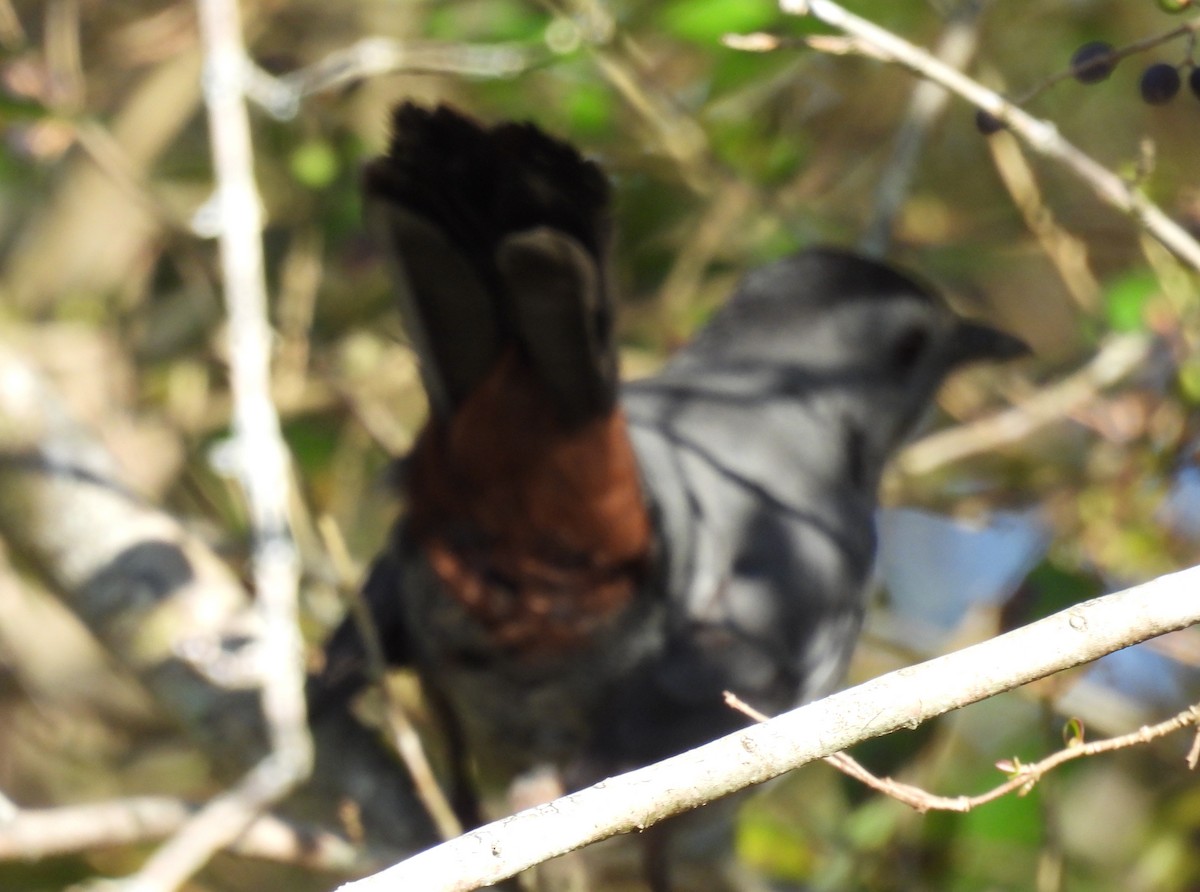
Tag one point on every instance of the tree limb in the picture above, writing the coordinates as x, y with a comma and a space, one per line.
33, 834
901, 699
167, 608
262, 467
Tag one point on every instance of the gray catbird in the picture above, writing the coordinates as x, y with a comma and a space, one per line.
584, 568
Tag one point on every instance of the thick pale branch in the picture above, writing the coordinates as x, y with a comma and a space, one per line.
152, 594
33, 834
902, 699
146, 588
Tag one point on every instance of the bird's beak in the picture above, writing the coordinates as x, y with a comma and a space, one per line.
975, 342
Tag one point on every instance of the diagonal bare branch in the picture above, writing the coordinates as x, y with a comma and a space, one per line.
902, 699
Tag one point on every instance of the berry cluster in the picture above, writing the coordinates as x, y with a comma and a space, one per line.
1096, 60
1160, 82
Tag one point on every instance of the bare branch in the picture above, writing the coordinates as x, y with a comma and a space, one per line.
1042, 136
12, 35
1024, 777
8, 809
153, 594
404, 736
1118, 357
955, 48
375, 56
260, 464
1067, 252
902, 699
622, 63
32, 834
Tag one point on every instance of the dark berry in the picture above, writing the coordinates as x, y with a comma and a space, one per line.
988, 123
1160, 83
1093, 62
1194, 81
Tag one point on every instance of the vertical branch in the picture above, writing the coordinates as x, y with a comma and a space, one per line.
261, 457
928, 101
260, 463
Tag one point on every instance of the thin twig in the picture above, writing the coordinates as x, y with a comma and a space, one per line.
925, 107
12, 35
1067, 252
110, 158
261, 466
1024, 777
280, 96
621, 62
404, 736
1118, 53
1042, 136
63, 55
1118, 357
8, 809
727, 206
300, 276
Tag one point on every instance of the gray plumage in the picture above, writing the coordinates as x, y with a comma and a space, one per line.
758, 451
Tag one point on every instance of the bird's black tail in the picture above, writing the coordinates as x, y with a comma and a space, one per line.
499, 237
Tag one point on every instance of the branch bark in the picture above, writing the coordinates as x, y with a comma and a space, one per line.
902, 699
163, 604
33, 834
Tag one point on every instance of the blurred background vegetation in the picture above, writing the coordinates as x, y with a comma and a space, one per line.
721, 160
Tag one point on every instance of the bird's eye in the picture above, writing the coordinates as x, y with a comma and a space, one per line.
908, 348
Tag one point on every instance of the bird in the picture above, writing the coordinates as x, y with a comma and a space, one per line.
584, 566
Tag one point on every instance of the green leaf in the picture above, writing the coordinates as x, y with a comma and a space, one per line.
315, 164
19, 108
1073, 732
486, 20
1126, 298
706, 21
1189, 381
589, 109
